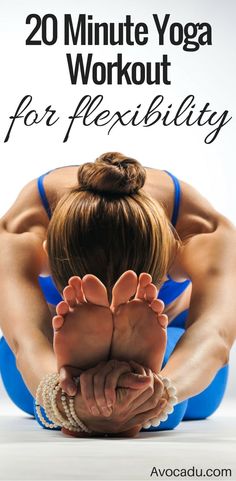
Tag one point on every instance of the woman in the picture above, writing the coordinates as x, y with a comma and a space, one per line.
105, 226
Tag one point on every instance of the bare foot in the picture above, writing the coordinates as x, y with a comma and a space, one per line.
139, 324
83, 325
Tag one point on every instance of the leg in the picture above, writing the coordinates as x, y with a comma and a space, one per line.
207, 402
13, 381
204, 404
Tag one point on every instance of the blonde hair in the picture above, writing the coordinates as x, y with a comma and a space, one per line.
108, 224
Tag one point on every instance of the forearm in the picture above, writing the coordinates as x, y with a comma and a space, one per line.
199, 354
26, 325
35, 359
25, 318
209, 260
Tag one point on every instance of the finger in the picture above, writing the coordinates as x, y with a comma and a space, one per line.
143, 371
66, 379
142, 397
144, 403
138, 368
143, 281
87, 389
112, 380
142, 418
139, 380
76, 283
133, 381
69, 296
150, 396
103, 404
149, 372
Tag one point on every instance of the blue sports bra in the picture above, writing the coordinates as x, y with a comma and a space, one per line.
170, 289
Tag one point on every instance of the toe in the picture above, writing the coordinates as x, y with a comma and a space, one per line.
151, 292
163, 320
76, 283
94, 290
70, 296
62, 308
57, 322
124, 288
157, 306
143, 281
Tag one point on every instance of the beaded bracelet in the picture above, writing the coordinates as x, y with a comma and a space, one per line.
169, 408
49, 386
44, 416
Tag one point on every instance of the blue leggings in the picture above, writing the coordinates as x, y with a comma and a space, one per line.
198, 407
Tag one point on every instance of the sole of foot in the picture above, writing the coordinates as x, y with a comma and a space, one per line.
139, 323
83, 325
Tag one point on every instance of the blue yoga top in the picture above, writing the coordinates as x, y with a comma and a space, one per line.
170, 289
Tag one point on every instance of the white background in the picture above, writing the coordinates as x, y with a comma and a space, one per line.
42, 72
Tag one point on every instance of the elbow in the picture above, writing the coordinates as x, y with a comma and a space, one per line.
226, 338
225, 355
223, 351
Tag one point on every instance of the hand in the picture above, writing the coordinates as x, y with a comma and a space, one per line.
98, 385
133, 408
66, 377
129, 414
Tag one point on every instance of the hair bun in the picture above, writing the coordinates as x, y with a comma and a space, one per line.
112, 173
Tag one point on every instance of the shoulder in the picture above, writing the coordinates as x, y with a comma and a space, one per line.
58, 181
26, 213
161, 187
196, 214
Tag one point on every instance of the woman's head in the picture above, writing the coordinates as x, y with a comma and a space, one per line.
108, 224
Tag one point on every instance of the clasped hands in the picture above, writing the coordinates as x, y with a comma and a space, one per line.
134, 393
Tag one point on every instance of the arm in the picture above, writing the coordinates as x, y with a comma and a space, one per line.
24, 314
209, 260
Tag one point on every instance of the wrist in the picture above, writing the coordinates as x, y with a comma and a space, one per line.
170, 400
58, 407
59, 402
178, 382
